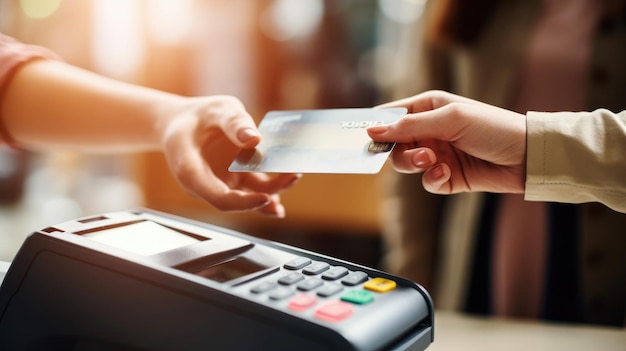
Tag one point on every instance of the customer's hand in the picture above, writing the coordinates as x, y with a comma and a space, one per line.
199, 136
201, 140
460, 144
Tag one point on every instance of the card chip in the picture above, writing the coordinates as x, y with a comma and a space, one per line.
377, 147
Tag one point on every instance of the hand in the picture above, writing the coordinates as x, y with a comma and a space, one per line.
460, 144
201, 138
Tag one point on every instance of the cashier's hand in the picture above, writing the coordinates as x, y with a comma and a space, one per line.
460, 144
201, 138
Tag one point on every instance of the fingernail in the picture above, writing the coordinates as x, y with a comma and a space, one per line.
437, 172
280, 211
246, 134
378, 129
421, 159
294, 180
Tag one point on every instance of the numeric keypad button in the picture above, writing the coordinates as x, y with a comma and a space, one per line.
329, 289
291, 278
335, 273
297, 263
309, 284
316, 268
354, 278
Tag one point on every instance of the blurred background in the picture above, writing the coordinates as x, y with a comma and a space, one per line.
272, 54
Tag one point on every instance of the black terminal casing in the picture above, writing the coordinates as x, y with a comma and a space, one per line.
65, 291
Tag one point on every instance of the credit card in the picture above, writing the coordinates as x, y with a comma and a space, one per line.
319, 141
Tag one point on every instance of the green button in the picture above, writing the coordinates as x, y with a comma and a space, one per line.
359, 297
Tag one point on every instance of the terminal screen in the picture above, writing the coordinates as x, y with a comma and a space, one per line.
143, 238
231, 270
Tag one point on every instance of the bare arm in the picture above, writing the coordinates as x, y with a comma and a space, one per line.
53, 104
50, 104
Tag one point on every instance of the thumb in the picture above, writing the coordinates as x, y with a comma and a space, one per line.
241, 130
247, 137
440, 124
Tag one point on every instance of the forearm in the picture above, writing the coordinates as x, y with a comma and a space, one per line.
577, 157
50, 104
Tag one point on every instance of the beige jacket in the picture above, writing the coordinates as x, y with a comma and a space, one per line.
429, 238
577, 157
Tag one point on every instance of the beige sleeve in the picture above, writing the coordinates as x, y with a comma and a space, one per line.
577, 157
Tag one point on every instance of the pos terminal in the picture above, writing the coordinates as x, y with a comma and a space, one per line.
145, 280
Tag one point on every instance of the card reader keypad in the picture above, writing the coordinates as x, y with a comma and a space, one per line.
318, 281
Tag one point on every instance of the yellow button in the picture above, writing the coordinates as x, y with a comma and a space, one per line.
380, 285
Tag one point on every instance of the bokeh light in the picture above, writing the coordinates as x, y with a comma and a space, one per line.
288, 19
39, 8
402, 11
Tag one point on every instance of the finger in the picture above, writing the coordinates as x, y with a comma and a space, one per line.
427, 101
217, 193
413, 104
274, 209
412, 160
436, 179
253, 191
242, 131
239, 127
238, 200
198, 179
442, 124
262, 182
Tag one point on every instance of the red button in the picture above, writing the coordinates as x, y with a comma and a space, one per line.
334, 311
302, 302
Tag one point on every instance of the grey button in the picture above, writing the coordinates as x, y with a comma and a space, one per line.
335, 273
310, 284
281, 294
263, 287
297, 263
316, 268
329, 290
291, 278
355, 278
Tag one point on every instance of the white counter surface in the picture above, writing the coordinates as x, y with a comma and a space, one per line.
455, 331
